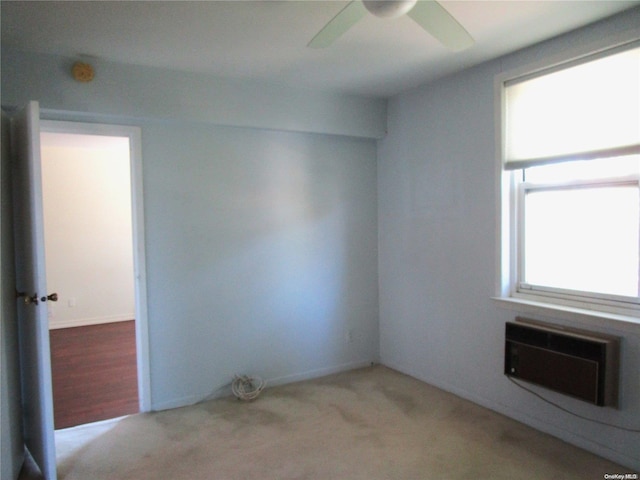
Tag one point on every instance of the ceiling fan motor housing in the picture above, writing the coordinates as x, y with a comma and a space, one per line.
389, 8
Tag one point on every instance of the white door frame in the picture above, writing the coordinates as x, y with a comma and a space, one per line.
139, 264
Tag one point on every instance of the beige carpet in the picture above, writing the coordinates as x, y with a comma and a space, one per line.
368, 424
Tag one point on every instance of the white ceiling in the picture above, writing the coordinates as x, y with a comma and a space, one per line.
267, 40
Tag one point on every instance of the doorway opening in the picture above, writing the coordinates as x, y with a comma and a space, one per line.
95, 263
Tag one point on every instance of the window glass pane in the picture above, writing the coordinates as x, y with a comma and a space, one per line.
583, 239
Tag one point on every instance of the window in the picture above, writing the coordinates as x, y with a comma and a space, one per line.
581, 233
571, 157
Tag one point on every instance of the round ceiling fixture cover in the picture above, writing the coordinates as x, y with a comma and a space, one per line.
82, 72
389, 8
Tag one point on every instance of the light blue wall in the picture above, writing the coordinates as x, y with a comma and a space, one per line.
124, 91
437, 198
261, 241
263, 235
261, 255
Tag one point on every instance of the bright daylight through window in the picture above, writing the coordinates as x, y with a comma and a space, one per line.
571, 153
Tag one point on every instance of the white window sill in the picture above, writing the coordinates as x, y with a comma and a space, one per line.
583, 315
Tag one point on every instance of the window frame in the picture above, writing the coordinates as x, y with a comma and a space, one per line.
508, 294
527, 290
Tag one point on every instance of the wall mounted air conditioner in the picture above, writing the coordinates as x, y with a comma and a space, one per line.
578, 363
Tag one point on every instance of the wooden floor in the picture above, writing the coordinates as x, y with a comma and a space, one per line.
94, 370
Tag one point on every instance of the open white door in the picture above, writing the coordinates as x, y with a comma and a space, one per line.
35, 356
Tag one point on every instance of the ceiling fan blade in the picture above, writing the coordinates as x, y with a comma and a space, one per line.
338, 25
431, 16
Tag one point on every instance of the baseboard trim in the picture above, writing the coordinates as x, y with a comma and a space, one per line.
222, 391
84, 322
320, 372
545, 427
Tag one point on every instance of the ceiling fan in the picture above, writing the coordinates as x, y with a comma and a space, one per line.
429, 14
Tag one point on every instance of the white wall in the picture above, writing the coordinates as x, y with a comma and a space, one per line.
86, 185
437, 197
261, 243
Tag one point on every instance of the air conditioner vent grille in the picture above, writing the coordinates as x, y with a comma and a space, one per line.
578, 363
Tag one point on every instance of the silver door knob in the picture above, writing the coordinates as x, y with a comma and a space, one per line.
28, 299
